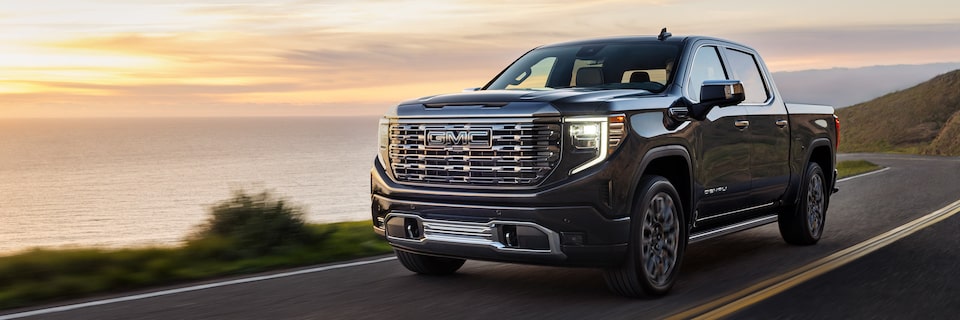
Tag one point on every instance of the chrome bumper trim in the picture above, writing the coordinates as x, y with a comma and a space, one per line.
473, 234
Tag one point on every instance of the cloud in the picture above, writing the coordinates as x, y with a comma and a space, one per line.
218, 52
319, 60
161, 90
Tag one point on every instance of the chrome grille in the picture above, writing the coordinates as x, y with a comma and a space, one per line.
510, 153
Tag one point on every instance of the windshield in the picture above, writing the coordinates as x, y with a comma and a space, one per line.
647, 66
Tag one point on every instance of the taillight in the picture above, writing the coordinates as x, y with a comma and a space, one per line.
836, 122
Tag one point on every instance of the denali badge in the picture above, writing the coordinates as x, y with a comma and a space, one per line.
473, 138
715, 190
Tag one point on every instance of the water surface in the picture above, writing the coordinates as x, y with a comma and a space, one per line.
128, 182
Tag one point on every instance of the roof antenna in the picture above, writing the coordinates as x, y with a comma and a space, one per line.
664, 35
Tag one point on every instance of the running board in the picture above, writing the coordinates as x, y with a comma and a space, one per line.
713, 233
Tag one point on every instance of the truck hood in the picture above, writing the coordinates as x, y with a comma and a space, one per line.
516, 103
500, 97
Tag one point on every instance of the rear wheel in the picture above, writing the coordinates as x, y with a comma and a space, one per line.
802, 223
429, 265
657, 242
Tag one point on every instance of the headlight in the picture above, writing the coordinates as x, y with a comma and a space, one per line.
384, 142
598, 135
586, 135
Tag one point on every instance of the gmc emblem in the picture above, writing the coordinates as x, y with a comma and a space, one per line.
473, 138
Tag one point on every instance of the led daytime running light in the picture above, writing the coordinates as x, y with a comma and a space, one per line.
604, 141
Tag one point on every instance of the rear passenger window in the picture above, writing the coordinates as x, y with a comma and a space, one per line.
745, 68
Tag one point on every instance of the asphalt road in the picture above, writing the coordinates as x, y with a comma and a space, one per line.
915, 278
915, 273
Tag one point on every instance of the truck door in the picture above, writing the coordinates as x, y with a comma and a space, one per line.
769, 133
724, 152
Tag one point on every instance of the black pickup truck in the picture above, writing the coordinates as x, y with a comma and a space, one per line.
612, 153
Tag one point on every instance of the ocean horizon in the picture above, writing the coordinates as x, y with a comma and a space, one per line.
129, 182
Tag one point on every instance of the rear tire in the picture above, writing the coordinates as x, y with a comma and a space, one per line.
428, 265
658, 239
802, 223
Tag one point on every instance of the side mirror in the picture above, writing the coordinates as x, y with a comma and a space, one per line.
717, 93
471, 89
721, 93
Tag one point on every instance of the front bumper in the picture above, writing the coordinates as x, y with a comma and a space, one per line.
522, 227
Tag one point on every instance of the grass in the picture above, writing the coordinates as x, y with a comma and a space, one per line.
854, 167
924, 119
226, 245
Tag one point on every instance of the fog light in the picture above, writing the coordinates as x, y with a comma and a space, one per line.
523, 237
509, 238
411, 228
405, 228
572, 238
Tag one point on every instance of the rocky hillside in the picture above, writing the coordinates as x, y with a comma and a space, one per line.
924, 119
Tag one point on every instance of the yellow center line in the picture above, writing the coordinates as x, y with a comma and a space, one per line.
739, 300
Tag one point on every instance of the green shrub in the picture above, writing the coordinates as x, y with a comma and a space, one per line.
250, 225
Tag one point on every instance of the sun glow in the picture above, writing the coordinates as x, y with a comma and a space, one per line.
78, 55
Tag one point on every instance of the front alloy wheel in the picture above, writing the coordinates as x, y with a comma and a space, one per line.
658, 239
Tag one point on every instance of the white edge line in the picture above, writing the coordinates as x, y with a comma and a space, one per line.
864, 174
188, 289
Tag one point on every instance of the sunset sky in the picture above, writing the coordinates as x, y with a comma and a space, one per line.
129, 58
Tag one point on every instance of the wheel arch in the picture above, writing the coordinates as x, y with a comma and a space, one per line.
820, 151
674, 163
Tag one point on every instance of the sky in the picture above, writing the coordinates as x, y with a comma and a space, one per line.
210, 58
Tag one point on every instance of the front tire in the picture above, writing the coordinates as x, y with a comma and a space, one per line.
802, 223
658, 239
428, 265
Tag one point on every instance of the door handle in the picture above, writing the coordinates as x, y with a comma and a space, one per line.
781, 123
742, 124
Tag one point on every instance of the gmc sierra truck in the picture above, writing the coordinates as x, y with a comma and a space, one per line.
611, 153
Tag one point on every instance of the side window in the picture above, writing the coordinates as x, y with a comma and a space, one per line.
706, 66
535, 77
745, 68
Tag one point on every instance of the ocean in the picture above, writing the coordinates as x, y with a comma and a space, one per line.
140, 182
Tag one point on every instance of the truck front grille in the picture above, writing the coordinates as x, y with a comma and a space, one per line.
495, 153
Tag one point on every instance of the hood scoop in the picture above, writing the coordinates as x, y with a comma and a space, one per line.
465, 104
478, 109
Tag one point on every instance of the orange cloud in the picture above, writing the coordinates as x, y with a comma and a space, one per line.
316, 57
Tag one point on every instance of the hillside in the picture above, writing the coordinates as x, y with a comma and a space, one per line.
843, 87
924, 119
